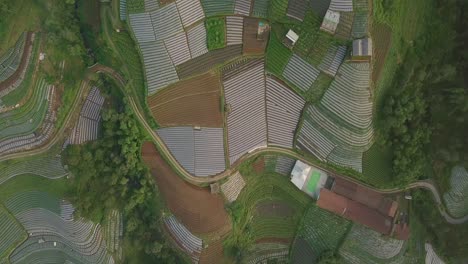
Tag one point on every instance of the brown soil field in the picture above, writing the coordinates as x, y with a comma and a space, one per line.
274, 209
259, 165
208, 61
252, 45
213, 254
192, 102
381, 42
22, 66
199, 210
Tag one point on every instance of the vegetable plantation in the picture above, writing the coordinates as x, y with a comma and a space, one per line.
216, 33
363, 245
27, 118
321, 231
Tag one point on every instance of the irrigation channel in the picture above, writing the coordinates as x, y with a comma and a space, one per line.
97, 68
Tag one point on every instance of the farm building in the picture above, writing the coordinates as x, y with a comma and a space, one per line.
290, 39
354, 211
362, 49
330, 21
308, 179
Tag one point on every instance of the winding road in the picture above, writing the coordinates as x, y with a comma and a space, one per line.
428, 185
97, 68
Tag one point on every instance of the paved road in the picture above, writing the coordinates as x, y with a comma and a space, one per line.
428, 185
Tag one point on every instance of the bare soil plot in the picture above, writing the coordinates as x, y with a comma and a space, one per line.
381, 41
192, 102
259, 165
252, 45
207, 61
22, 66
274, 209
199, 210
213, 253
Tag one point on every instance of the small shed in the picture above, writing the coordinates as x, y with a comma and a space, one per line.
362, 49
300, 173
330, 21
290, 39
308, 179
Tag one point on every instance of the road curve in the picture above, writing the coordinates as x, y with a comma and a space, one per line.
428, 185
97, 68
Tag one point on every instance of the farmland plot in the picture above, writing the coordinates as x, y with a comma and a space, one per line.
199, 150
363, 245
199, 210
321, 230
27, 118
15, 63
87, 127
11, 233
268, 252
271, 207
193, 102
253, 45
49, 167
283, 112
246, 117
456, 199
189, 243
48, 220
339, 129
32, 139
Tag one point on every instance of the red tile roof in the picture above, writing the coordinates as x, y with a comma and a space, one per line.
354, 211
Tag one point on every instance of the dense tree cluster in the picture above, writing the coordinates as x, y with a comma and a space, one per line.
425, 112
109, 173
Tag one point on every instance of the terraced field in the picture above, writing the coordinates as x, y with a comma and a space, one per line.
320, 231
13, 89
339, 129
456, 199
363, 245
271, 207
11, 233
193, 102
47, 166
28, 118
52, 230
30, 125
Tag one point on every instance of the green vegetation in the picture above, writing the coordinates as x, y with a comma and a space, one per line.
19, 16
319, 87
376, 165
109, 174
436, 229
277, 55
11, 232
15, 96
216, 33
126, 58
27, 118
322, 231
31, 182
277, 10
426, 89
249, 224
135, 6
